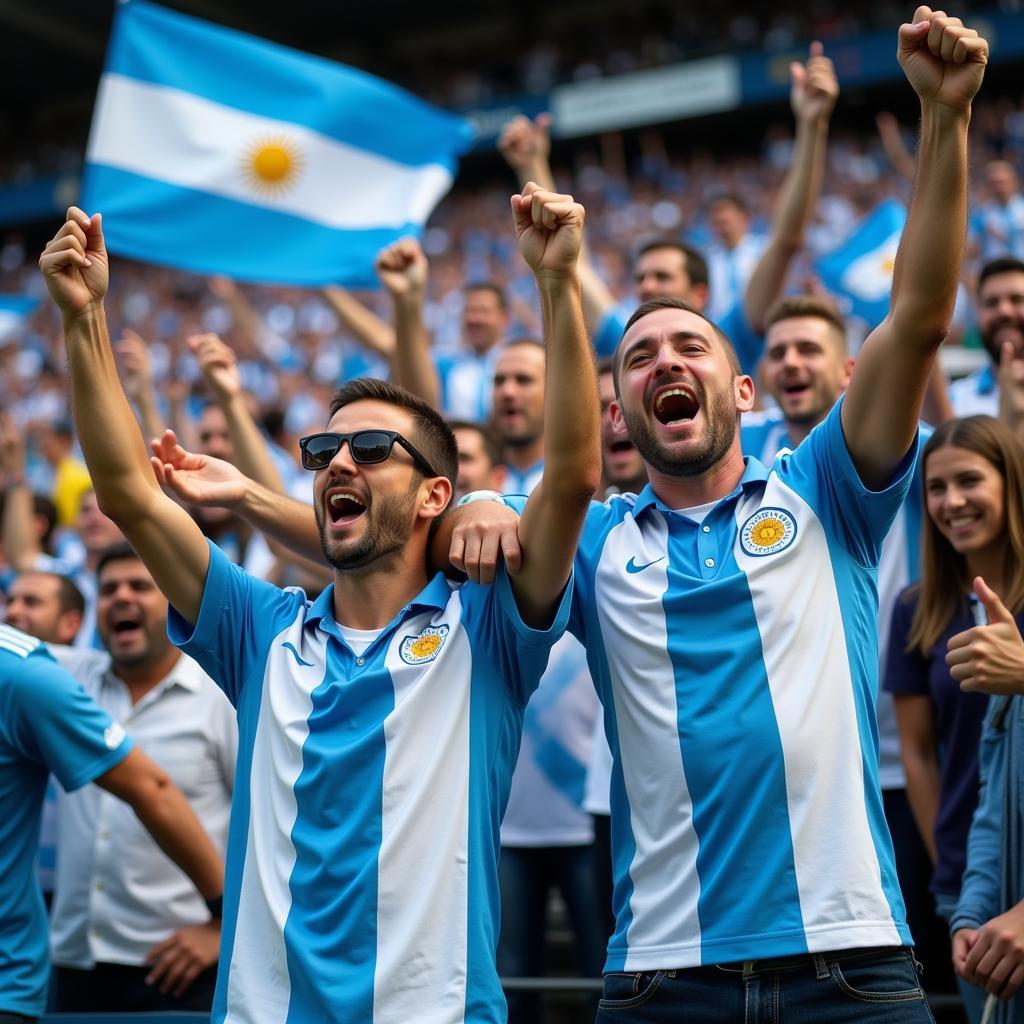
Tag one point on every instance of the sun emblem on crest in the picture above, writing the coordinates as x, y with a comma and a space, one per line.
768, 531
418, 650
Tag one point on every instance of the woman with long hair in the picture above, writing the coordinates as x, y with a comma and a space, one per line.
973, 471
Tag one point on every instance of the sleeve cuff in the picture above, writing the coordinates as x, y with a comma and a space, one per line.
527, 634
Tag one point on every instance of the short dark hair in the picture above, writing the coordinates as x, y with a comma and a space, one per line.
490, 286
492, 449
693, 260
432, 435
790, 306
42, 506
120, 551
1002, 265
667, 302
69, 597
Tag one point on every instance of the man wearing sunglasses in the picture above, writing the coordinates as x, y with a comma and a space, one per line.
378, 725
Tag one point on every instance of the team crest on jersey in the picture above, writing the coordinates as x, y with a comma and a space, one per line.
113, 736
768, 531
418, 650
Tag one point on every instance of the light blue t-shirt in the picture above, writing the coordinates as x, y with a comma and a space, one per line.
748, 344
47, 724
361, 880
737, 663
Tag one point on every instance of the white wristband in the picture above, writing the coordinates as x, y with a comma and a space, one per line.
467, 499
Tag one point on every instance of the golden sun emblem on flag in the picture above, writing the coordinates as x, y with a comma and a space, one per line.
417, 650
272, 166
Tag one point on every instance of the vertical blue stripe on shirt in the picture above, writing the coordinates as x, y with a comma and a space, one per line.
730, 847
339, 894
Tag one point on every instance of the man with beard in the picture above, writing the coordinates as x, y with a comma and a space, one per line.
127, 931
379, 724
45, 605
1001, 325
518, 415
730, 618
622, 467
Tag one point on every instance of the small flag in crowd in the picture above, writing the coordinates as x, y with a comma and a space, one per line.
14, 311
859, 272
221, 153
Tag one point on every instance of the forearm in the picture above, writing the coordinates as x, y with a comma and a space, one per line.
19, 536
797, 199
922, 774
368, 328
171, 821
148, 413
283, 519
932, 246
572, 414
413, 367
251, 454
104, 422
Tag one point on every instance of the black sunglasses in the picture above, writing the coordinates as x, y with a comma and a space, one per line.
366, 447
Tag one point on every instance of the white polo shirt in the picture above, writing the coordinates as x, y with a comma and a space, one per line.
117, 893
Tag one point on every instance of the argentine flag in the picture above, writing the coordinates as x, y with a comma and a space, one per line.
221, 153
14, 311
859, 272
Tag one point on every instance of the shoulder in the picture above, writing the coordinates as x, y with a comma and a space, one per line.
17, 645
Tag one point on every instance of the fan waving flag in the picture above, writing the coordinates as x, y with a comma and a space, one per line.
859, 271
221, 153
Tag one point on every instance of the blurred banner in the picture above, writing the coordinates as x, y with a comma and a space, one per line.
859, 271
14, 311
221, 153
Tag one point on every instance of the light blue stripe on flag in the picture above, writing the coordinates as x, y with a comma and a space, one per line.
859, 271
202, 128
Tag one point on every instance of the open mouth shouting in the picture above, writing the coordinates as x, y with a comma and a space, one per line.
344, 506
126, 625
675, 405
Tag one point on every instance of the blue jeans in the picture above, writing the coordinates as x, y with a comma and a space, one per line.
870, 986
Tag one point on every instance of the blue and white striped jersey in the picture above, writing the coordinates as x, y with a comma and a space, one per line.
737, 661
361, 880
763, 435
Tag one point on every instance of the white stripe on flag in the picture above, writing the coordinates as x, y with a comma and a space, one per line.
185, 140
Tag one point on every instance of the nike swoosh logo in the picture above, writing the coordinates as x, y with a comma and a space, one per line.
287, 645
632, 567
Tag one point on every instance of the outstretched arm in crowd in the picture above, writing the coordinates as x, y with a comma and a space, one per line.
363, 323
20, 540
219, 368
402, 269
75, 269
137, 377
288, 525
944, 62
813, 98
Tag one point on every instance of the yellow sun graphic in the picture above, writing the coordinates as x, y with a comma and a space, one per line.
767, 532
272, 166
424, 646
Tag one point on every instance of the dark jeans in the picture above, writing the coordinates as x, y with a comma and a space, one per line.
877, 986
16, 1018
526, 876
119, 988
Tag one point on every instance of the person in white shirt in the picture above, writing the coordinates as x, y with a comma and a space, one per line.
128, 931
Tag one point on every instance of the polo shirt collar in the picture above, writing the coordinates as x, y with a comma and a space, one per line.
435, 595
754, 475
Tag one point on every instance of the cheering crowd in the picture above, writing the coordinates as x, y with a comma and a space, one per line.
755, 715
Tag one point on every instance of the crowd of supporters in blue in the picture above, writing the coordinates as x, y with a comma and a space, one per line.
240, 373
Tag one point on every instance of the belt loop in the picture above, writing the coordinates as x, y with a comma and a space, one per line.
821, 971
748, 968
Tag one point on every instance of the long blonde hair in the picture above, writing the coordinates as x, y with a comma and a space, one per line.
944, 574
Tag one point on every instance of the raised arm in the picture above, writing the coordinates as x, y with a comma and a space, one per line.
402, 269
549, 227
20, 540
137, 378
363, 323
944, 62
813, 97
75, 268
220, 371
